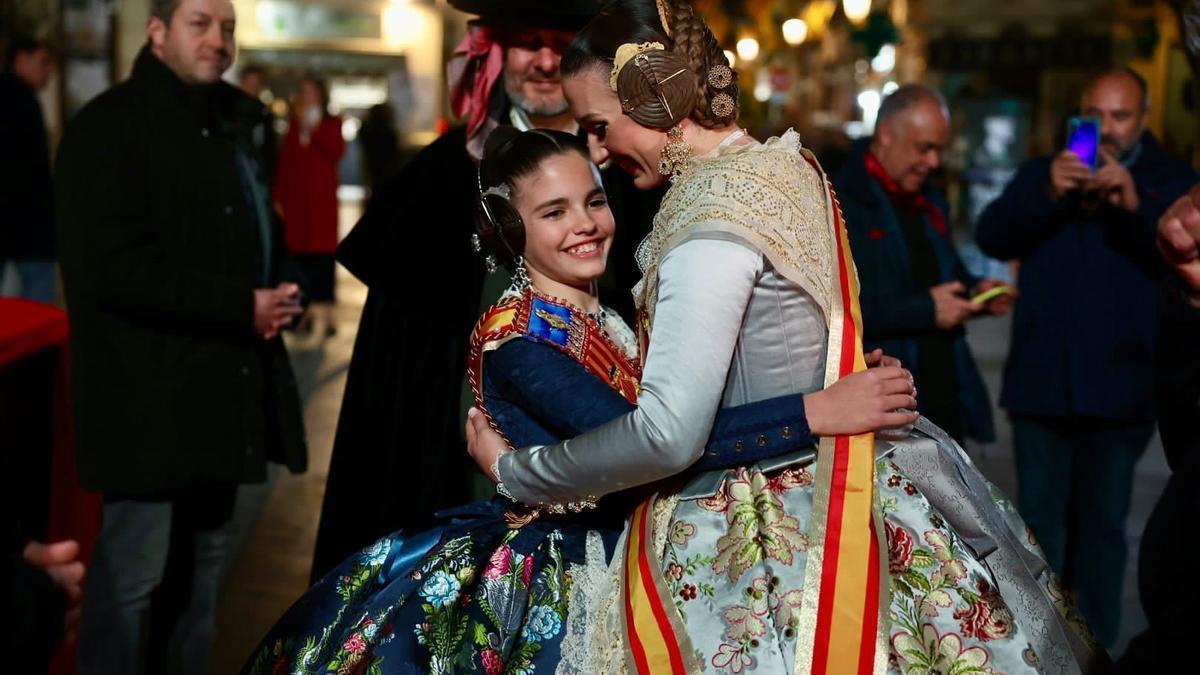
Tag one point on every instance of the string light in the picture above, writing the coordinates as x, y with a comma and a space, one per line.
747, 49
857, 10
795, 31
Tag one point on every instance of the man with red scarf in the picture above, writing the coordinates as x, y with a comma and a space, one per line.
915, 289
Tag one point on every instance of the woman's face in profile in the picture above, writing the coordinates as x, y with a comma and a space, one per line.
568, 225
613, 135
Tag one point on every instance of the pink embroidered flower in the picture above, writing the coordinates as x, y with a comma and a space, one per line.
499, 564
985, 617
527, 571
681, 532
675, 570
355, 644
900, 548
688, 592
492, 665
732, 657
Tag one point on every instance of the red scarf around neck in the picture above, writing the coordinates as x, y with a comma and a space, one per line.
909, 201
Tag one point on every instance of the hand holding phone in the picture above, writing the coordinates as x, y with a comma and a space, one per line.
1073, 167
990, 294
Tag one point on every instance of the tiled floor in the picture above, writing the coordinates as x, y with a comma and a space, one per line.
273, 567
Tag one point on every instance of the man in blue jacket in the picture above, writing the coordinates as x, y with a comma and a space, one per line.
1078, 384
914, 287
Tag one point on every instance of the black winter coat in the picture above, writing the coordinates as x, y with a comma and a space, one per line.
161, 253
26, 223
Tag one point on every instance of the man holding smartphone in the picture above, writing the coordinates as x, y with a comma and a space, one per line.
1078, 385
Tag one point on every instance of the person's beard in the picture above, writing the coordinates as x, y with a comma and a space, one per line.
545, 109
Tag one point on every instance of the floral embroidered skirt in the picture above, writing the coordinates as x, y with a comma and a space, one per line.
970, 590
470, 595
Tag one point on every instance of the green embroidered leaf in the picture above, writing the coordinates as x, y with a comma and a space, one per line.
917, 581
923, 558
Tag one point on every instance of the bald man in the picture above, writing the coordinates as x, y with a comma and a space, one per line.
1078, 384
915, 288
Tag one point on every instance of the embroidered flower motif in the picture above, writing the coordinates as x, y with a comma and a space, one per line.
952, 570
543, 623
910, 489
742, 625
492, 665
355, 644
675, 570
440, 589
893, 480
370, 629
499, 564
377, 553
900, 548
681, 532
758, 527
790, 478
759, 595
687, 592
527, 571
788, 611
985, 617
934, 653
732, 657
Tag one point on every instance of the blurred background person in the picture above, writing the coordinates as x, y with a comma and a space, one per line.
252, 79
381, 146
26, 191
182, 390
1078, 384
306, 182
915, 289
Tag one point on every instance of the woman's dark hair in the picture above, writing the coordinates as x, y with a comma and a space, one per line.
319, 85
508, 155
637, 21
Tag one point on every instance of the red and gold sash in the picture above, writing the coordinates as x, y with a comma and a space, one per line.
843, 626
557, 324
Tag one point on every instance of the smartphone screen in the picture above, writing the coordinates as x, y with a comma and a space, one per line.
1083, 139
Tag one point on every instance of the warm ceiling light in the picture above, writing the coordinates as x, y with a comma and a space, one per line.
795, 31
747, 49
857, 10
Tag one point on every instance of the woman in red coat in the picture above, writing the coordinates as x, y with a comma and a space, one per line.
305, 190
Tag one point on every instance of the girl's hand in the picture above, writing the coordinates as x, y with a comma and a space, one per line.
483, 443
865, 401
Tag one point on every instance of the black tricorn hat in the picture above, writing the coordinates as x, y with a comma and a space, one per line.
570, 15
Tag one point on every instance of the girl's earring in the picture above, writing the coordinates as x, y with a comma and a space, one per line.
520, 279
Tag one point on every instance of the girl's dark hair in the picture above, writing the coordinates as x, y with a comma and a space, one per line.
637, 21
509, 154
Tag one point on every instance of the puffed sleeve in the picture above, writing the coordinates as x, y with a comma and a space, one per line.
704, 289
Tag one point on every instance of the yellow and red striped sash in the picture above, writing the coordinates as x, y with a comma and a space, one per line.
843, 627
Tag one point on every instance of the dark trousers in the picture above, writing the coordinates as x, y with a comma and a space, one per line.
1074, 480
151, 597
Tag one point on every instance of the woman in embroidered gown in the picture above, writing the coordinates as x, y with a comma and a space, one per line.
485, 590
887, 554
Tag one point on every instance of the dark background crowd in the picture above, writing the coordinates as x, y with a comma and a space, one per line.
249, 245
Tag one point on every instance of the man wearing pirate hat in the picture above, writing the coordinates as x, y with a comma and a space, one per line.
398, 454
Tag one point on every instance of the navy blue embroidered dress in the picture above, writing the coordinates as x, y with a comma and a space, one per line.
485, 589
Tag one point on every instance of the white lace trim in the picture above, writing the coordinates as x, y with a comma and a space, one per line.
592, 643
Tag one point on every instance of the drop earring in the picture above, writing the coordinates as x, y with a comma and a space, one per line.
675, 154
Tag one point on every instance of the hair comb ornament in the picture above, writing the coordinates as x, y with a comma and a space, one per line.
664, 15
720, 77
627, 52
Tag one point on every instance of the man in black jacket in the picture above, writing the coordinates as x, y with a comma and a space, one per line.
171, 260
27, 229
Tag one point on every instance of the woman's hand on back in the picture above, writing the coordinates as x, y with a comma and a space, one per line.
864, 401
483, 443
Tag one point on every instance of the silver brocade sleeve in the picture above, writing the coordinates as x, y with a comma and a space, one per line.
704, 288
